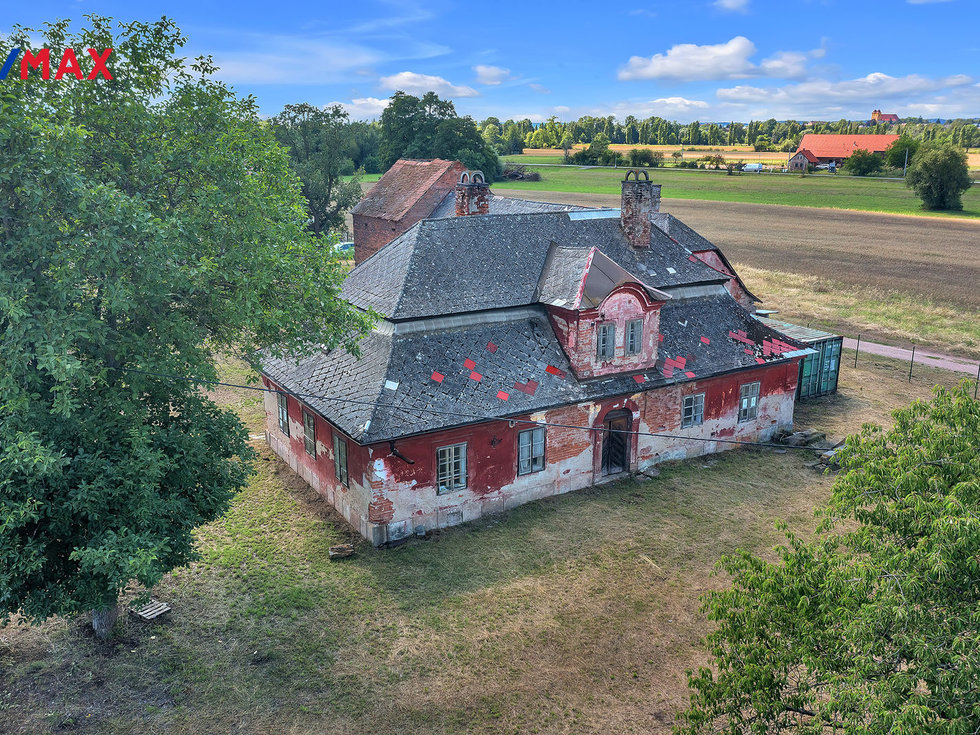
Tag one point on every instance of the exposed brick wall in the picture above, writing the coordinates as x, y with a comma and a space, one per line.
640, 198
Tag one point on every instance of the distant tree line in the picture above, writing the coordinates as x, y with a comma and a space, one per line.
511, 136
330, 152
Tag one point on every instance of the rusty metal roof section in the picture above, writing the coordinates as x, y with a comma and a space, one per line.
401, 187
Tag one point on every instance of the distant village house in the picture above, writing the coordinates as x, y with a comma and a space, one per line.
832, 149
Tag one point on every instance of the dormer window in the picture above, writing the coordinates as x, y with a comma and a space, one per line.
606, 342
634, 336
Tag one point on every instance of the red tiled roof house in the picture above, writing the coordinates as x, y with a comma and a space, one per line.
827, 148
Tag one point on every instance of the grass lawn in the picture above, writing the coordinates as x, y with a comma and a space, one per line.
836, 192
574, 614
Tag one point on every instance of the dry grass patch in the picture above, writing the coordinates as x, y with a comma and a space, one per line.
875, 313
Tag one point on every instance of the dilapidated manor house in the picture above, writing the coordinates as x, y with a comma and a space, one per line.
526, 350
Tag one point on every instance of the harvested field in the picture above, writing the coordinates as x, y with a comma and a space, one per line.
911, 255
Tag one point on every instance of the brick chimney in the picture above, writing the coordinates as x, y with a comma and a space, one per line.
472, 194
641, 198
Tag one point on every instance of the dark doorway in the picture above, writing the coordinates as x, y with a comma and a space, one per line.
616, 442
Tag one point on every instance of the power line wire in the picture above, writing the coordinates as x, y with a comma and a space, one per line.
477, 417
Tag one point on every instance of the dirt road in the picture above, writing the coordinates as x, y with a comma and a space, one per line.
917, 255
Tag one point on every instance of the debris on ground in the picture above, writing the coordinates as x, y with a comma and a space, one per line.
151, 611
805, 438
341, 551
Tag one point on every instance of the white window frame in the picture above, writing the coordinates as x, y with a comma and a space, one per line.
748, 401
605, 341
309, 433
634, 336
530, 451
282, 405
692, 410
340, 460
451, 468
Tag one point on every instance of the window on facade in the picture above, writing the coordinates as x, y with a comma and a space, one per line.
692, 412
748, 406
606, 342
283, 413
634, 336
309, 433
340, 459
530, 451
451, 468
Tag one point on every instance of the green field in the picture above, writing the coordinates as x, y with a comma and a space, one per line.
835, 192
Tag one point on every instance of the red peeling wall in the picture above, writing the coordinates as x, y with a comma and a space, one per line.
388, 498
577, 331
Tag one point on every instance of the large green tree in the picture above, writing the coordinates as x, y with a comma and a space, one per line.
145, 223
939, 176
321, 147
902, 151
863, 163
428, 127
873, 625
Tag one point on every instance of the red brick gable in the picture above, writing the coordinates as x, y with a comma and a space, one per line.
404, 184
842, 146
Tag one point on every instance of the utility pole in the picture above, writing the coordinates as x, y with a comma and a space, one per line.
906, 166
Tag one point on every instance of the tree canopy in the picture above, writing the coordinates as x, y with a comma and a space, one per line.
939, 176
902, 151
147, 222
863, 163
428, 127
872, 625
321, 148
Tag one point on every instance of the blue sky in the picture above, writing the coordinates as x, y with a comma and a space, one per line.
704, 59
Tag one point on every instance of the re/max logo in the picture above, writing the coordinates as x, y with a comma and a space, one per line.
69, 63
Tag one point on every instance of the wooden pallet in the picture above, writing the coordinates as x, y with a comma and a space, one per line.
151, 610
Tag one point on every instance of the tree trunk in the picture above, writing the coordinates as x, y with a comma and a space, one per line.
103, 619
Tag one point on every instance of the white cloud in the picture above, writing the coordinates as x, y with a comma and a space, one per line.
642, 11
690, 62
541, 89
311, 59
412, 83
363, 108
491, 75
872, 89
785, 65
735, 6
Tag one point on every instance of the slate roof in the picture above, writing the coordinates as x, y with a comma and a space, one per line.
396, 192
436, 378
827, 145
504, 256
681, 233
502, 205
576, 278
